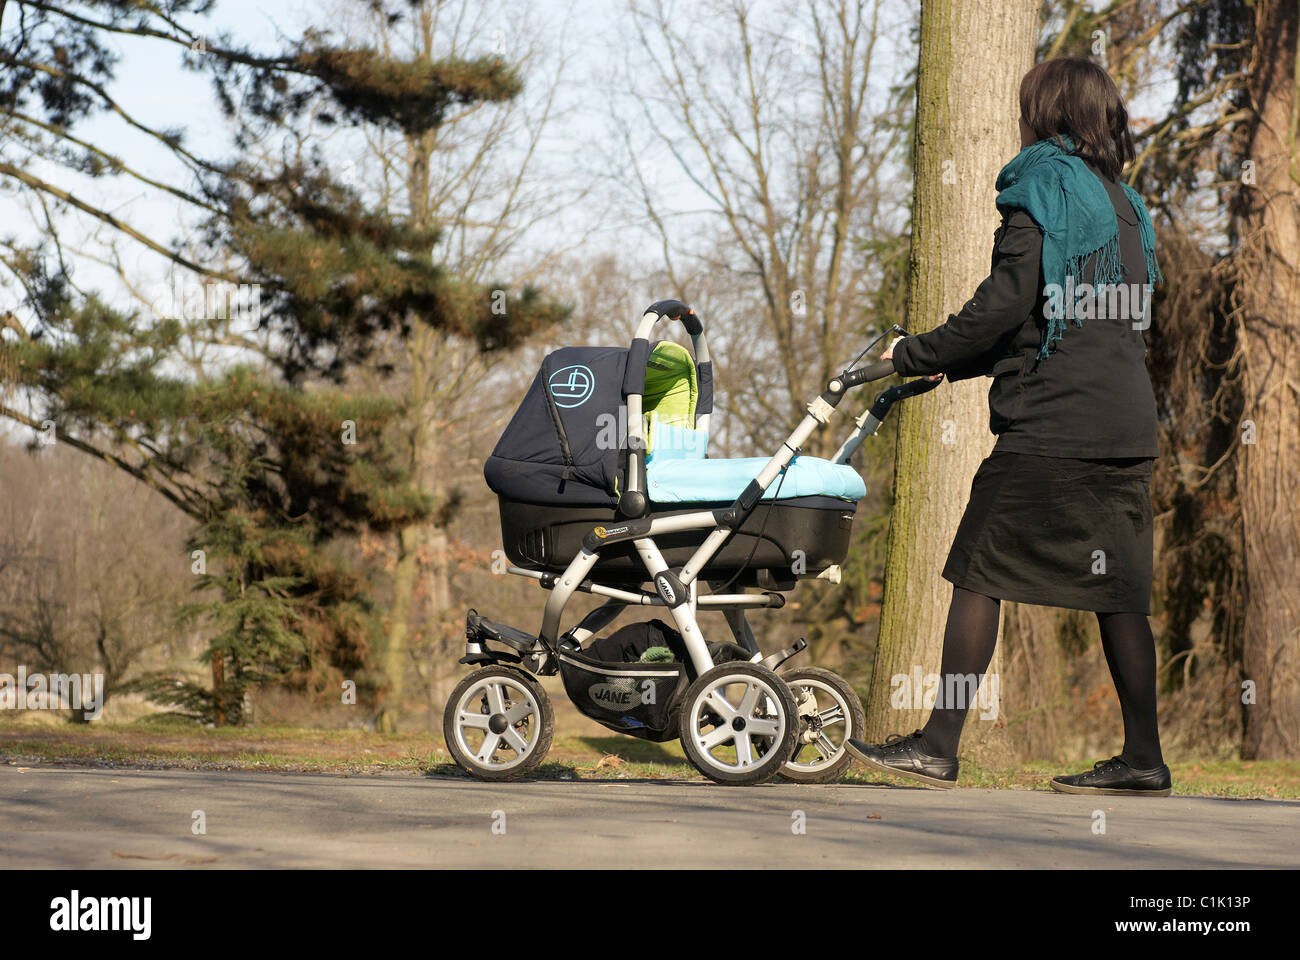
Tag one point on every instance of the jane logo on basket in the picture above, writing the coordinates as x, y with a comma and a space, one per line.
614, 696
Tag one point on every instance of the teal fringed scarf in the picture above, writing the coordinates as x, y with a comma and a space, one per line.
1074, 211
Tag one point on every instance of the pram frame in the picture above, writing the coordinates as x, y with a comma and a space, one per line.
678, 590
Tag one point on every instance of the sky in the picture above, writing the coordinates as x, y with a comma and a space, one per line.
151, 84
589, 39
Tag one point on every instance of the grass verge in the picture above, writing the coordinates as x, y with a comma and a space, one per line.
168, 742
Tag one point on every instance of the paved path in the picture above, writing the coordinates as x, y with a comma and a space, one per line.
74, 817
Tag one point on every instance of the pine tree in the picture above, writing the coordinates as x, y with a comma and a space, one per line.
275, 461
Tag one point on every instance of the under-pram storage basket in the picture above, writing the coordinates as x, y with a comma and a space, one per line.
639, 699
799, 537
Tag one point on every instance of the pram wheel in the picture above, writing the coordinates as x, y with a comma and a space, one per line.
829, 712
738, 723
498, 723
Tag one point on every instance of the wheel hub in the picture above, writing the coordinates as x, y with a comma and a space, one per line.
827, 718
735, 717
495, 723
812, 729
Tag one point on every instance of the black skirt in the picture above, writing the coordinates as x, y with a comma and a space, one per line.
1059, 532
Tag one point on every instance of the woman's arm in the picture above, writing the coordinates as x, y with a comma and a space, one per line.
1001, 304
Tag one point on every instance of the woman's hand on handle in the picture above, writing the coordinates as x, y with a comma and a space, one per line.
889, 355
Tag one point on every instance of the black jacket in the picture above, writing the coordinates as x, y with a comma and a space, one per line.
1092, 397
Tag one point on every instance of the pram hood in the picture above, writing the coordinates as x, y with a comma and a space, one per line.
565, 444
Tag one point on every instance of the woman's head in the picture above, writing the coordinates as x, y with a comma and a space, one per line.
1076, 97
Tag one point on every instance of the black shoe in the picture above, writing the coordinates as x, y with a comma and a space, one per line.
1115, 777
902, 757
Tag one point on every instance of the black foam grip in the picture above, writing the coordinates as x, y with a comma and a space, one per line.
876, 371
672, 309
676, 310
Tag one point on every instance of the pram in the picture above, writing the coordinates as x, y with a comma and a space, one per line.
604, 487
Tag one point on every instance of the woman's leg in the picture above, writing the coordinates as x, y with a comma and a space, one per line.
1131, 655
968, 641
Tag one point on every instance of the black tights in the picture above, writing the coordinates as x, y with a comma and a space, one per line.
968, 642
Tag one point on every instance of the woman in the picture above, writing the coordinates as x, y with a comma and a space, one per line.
1060, 512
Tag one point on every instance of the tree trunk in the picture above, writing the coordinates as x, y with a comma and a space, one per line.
1036, 704
404, 577
406, 573
972, 56
1269, 469
218, 690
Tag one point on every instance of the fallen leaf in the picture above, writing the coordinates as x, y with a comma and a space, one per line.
176, 857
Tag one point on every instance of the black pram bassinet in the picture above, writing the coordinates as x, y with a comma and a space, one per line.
561, 465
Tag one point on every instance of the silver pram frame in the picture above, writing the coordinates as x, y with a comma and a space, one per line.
739, 721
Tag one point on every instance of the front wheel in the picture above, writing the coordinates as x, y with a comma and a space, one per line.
738, 723
498, 723
829, 712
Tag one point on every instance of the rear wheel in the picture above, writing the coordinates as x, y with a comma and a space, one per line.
829, 712
498, 723
738, 723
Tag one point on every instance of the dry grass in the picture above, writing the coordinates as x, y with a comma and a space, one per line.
581, 751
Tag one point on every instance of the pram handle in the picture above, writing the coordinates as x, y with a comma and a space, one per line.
676, 310
876, 371
870, 421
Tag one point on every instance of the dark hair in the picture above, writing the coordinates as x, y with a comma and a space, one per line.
1072, 96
